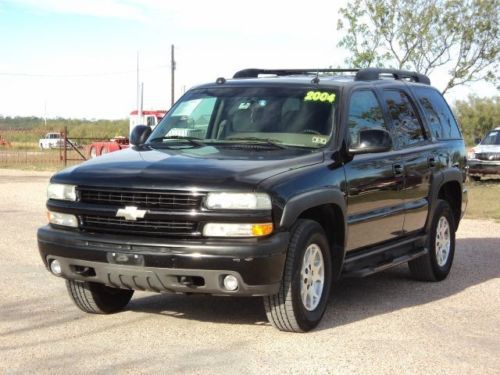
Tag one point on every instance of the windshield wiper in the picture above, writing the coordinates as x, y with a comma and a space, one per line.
193, 140
267, 141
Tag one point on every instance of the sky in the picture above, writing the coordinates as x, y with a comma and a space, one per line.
77, 58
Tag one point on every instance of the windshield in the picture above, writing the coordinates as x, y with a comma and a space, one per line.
279, 116
493, 138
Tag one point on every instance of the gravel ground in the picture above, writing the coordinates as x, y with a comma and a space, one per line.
386, 323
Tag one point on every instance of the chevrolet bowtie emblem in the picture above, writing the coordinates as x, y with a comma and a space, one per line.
131, 213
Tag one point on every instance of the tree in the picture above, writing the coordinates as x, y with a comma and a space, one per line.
423, 35
477, 115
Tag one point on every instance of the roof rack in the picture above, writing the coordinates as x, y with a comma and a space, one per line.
367, 74
254, 73
372, 74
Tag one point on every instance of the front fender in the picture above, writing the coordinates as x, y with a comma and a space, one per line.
304, 201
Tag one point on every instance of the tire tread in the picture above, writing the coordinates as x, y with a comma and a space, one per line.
279, 307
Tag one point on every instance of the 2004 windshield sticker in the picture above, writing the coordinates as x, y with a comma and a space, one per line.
319, 96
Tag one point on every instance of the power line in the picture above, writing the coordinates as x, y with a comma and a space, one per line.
80, 75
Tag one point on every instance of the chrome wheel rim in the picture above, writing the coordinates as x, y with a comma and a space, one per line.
443, 241
312, 277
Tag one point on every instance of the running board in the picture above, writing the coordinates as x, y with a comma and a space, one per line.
383, 266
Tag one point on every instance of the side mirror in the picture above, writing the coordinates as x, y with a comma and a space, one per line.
139, 135
477, 141
372, 141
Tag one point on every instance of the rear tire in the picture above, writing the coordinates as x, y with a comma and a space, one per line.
436, 265
97, 298
302, 298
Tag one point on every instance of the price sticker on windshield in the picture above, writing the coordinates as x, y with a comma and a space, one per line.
319, 96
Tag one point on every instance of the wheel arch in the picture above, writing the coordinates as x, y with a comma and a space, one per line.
448, 188
327, 207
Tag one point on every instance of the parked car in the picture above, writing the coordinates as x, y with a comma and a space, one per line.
51, 140
270, 186
484, 159
54, 140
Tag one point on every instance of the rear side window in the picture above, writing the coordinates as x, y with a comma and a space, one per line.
438, 114
406, 125
364, 113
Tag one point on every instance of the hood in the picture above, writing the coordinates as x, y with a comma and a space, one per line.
479, 149
202, 168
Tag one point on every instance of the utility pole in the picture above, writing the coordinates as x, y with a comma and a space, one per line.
141, 102
172, 74
137, 87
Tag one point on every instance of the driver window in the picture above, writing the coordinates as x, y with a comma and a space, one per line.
364, 113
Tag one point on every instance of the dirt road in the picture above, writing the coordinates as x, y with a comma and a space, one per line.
387, 323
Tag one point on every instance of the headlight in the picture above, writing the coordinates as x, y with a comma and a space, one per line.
237, 230
61, 192
471, 155
66, 220
238, 201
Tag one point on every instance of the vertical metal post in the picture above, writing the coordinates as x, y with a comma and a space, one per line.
64, 145
141, 103
172, 75
137, 85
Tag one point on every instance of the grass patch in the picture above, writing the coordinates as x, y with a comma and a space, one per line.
484, 200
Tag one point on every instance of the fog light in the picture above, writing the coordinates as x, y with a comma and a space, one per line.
55, 267
230, 282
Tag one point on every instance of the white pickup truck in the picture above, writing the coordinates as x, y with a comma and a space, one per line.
54, 140
51, 140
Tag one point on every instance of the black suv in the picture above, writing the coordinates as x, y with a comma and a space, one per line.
275, 184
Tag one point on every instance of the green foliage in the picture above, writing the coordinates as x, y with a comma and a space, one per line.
477, 116
423, 35
31, 129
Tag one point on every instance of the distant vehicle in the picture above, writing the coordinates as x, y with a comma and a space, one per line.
149, 118
484, 159
54, 140
4, 142
51, 140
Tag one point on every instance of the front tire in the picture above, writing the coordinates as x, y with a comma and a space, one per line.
97, 298
436, 265
302, 298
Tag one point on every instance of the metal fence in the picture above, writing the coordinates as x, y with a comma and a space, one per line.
47, 159
69, 152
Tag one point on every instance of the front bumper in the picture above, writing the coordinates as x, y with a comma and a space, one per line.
164, 265
483, 167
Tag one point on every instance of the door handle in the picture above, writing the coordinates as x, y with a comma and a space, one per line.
397, 169
432, 162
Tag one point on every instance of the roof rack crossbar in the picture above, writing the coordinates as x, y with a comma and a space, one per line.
254, 73
372, 74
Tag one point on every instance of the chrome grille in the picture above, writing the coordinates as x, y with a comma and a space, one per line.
488, 156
